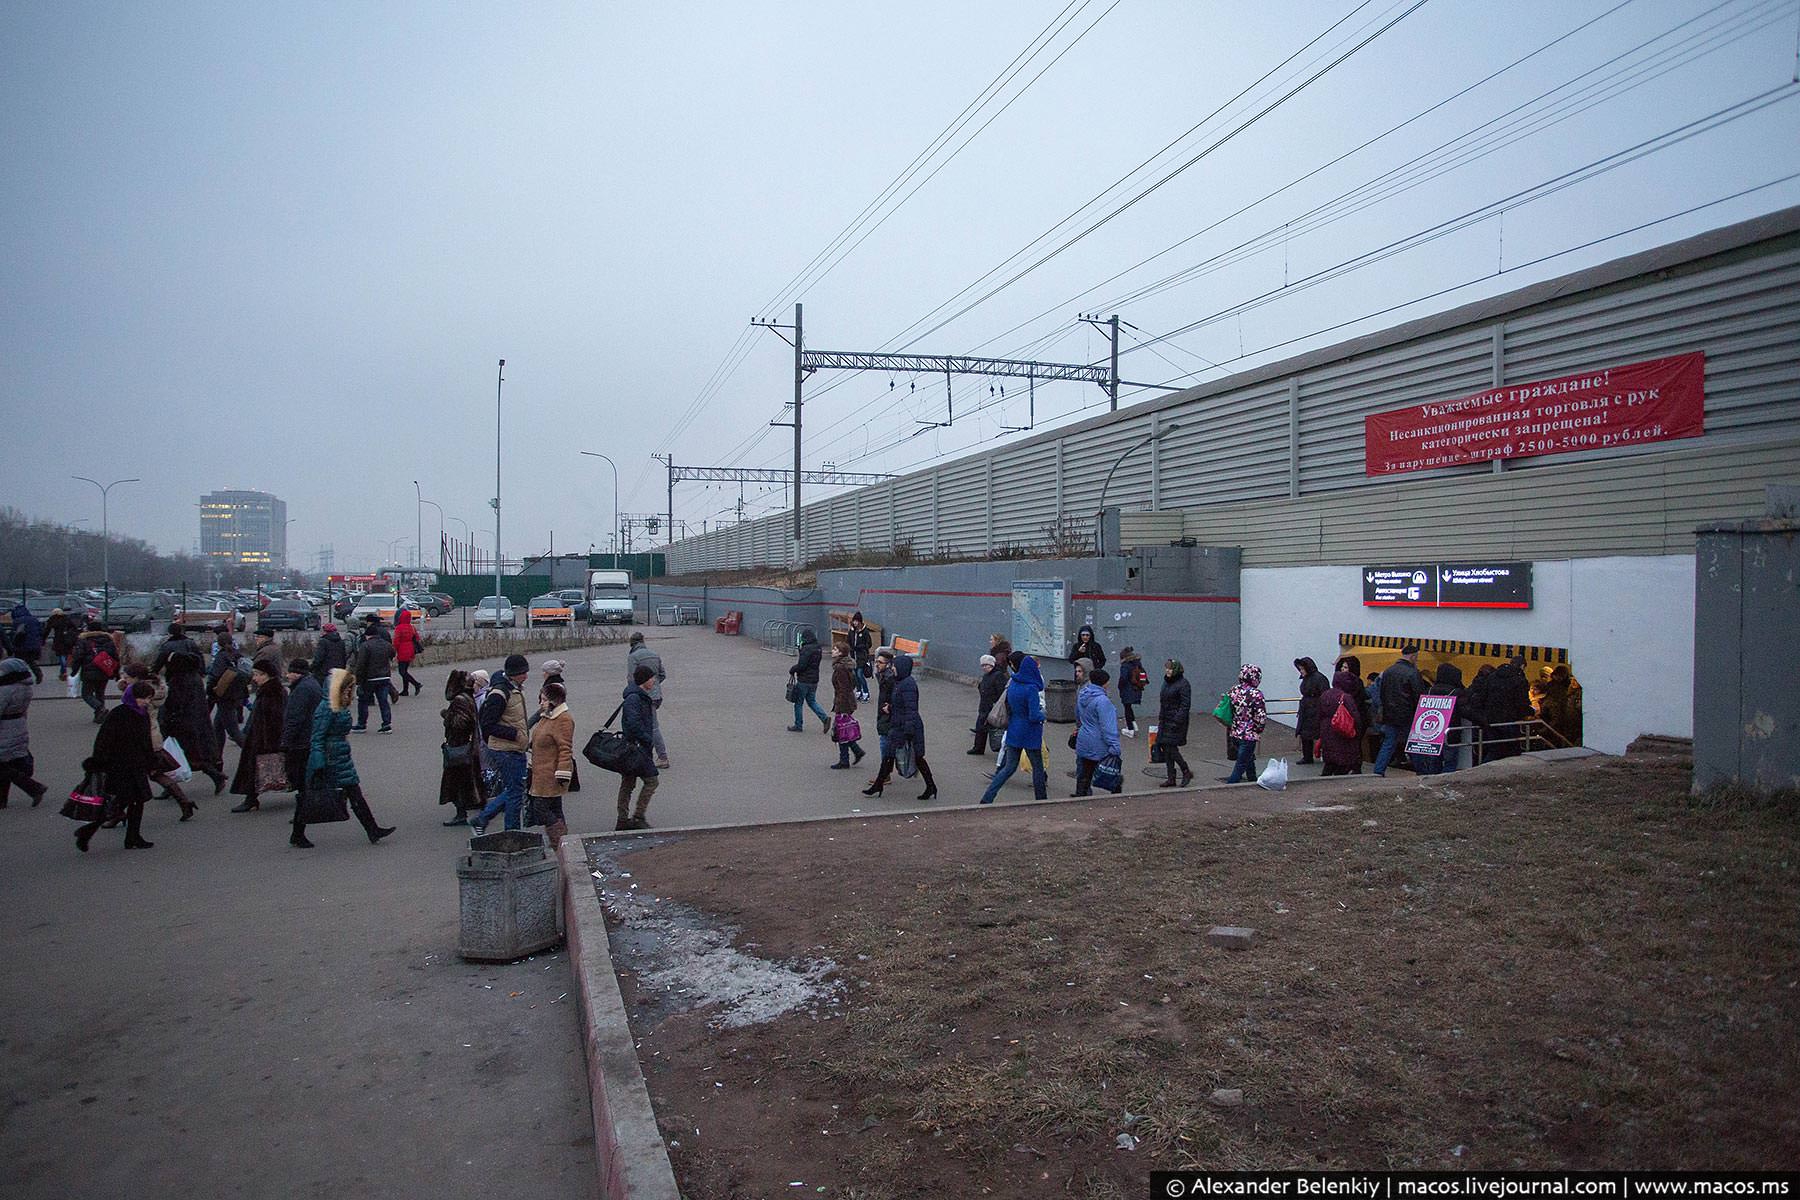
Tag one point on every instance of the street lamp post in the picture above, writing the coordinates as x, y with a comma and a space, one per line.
418, 524
440, 512
615, 474
499, 384
67, 542
105, 542
1100, 512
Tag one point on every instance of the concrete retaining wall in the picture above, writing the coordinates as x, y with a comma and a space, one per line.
1168, 603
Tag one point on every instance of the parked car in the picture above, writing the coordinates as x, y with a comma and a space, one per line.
548, 609
446, 601
430, 602
345, 604
207, 614
136, 612
577, 602
496, 612
42, 606
289, 614
384, 605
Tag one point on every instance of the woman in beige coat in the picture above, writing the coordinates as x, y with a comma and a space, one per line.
552, 760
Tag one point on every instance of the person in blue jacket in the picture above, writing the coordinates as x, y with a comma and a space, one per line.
1096, 730
1024, 728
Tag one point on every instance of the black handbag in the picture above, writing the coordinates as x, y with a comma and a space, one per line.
322, 804
793, 692
458, 756
609, 749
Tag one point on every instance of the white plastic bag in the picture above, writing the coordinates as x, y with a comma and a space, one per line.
74, 685
1274, 776
182, 772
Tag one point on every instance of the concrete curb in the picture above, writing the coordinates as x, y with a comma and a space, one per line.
628, 1148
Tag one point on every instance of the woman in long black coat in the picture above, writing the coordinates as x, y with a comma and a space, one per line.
263, 737
1174, 707
184, 716
460, 786
124, 757
1313, 684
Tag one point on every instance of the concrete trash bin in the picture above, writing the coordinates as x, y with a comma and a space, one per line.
511, 901
1059, 701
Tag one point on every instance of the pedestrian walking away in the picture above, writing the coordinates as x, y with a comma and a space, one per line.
17, 768
305, 695
638, 721
1096, 736
862, 653
329, 654
503, 720
183, 715
1249, 714
96, 661
407, 646
124, 760
1174, 708
988, 690
373, 665
329, 765
460, 785
906, 729
1448, 682
1401, 687
1133, 679
641, 655
844, 728
1306, 721
552, 761
803, 682
1024, 729
60, 633
1086, 647
26, 642
227, 688
1342, 720
262, 765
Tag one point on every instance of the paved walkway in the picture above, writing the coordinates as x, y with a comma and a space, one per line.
225, 1016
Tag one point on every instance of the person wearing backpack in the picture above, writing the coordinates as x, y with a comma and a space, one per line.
1133, 679
1341, 725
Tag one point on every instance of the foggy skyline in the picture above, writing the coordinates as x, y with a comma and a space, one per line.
283, 250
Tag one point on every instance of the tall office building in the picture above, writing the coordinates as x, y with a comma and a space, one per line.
244, 528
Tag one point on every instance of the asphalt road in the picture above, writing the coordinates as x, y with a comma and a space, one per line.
223, 1015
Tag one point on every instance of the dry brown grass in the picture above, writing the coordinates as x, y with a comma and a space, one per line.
1583, 968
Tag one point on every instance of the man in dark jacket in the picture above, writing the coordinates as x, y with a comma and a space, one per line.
805, 676
330, 654
60, 631
227, 688
304, 697
374, 669
178, 642
1506, 702
27, 639
638, 721
1401, 687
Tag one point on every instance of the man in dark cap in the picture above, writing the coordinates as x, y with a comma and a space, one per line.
1401, 687
504, 724
304, 696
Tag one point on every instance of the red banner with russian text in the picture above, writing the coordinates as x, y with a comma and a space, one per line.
1654, 401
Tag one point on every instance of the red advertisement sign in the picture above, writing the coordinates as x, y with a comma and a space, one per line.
1654, 401
1431, 723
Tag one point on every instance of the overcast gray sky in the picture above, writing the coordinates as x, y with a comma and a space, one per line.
282, 247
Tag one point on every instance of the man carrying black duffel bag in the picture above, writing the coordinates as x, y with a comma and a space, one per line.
638, 720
